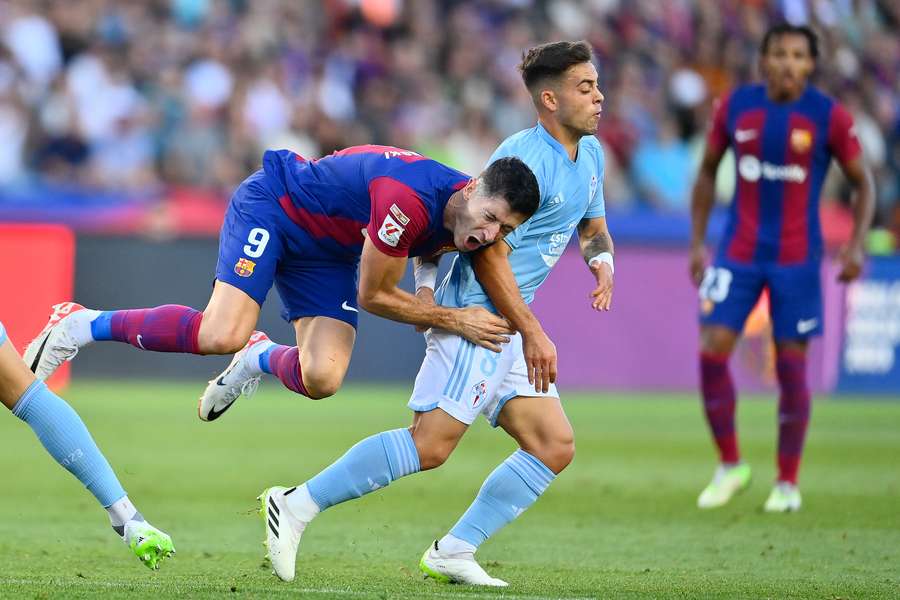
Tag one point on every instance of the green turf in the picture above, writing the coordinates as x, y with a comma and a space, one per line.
619, 523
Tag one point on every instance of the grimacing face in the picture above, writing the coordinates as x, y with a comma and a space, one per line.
483, 220
787, 64
579, 98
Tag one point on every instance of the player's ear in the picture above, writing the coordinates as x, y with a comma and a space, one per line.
469, 189
548, 99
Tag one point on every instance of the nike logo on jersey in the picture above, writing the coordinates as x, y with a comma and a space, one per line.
744, 135
806, 325
346, 306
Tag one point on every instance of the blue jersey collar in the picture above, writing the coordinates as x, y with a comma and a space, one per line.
554, 143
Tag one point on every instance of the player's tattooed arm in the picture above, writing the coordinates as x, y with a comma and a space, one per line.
597, 249
379, 276
496, 277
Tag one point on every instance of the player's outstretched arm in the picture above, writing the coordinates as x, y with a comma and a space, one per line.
496, 277
702, 198
597, 249
852, 255
379, 275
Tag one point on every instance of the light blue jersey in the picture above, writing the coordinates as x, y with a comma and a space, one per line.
570, 191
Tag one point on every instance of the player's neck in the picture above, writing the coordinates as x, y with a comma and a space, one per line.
566, 137
784, 97
451, 209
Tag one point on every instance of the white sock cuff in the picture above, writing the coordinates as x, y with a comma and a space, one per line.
453, 545
301, 503
121, 511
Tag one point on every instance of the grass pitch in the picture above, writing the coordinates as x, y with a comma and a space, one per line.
619, 523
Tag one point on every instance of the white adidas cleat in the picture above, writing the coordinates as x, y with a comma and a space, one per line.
785, 497
283, 531
239, 378
55, 344
455, 568
726, 483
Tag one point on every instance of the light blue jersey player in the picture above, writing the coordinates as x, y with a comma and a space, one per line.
461, 379
457, 380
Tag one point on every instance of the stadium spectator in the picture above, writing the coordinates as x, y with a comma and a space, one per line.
187, 93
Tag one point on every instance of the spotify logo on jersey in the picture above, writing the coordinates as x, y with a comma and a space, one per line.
751, 169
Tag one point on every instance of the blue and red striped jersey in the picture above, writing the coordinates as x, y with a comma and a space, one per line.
782, 153
395, 197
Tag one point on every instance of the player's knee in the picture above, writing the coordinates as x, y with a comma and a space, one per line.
321, 383
222, 340
556, 453
433, 456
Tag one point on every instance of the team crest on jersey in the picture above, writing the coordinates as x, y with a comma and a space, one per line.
398, 214
801, 140
390, 231
244, 267
479, 392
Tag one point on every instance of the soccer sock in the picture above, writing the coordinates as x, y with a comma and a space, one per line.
718, 403
167, 328
507, 492
371, 464
284, 363
63, 434
793, 412
120, 512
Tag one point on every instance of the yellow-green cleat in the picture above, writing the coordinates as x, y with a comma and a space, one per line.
148, 543
785, 497
726, 483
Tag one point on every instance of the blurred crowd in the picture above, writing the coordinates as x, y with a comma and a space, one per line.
139, 95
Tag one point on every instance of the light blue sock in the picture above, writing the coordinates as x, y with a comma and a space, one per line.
63, 434
369, 465
507, 492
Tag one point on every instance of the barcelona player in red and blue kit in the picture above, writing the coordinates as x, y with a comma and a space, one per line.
784, 135
313, 228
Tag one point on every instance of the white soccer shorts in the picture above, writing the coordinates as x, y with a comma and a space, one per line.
465, 380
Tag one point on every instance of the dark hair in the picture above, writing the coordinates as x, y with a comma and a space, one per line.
549, 61
781, 29
511, 178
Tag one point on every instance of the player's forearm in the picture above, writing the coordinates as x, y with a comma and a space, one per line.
496, 277
594, 244
401, 306
702, 199
863, 208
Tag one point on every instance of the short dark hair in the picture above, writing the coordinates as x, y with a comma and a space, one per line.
549, 61
511, 179
781, 29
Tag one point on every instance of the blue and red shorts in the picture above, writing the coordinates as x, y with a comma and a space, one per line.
260, 246
730, 290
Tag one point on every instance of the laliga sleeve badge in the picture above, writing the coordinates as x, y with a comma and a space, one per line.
244, 267
390, 232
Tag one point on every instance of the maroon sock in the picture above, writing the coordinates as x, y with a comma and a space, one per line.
168, 328
718, 403
284, 363
793, 412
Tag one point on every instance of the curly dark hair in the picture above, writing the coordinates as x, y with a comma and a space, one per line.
786, 28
